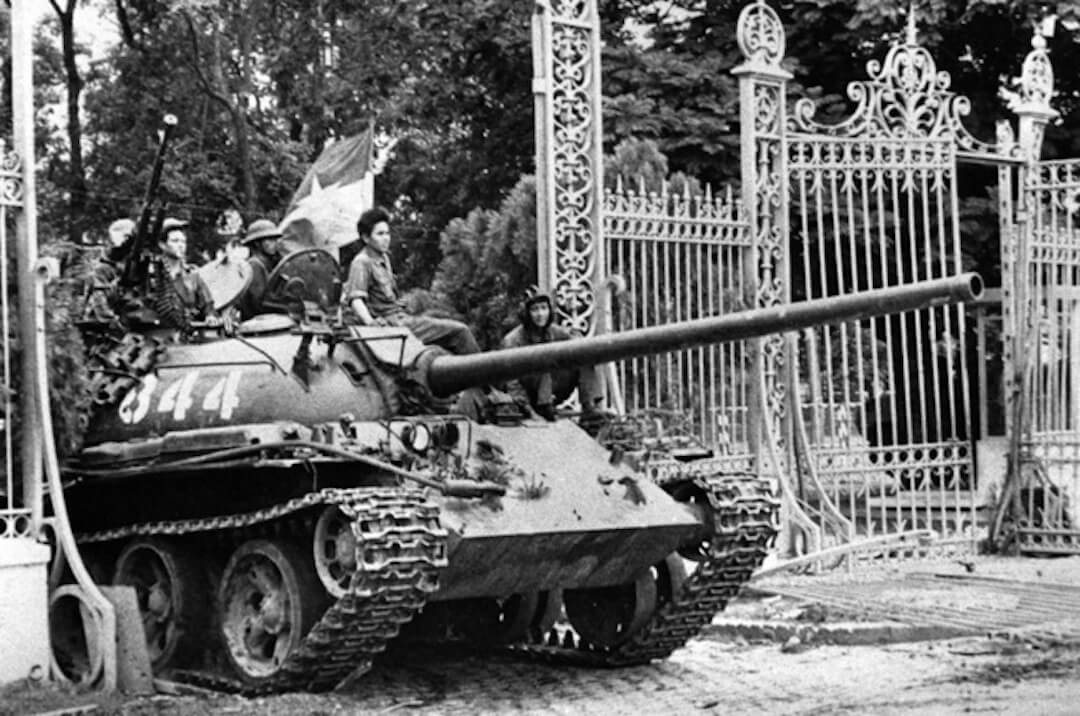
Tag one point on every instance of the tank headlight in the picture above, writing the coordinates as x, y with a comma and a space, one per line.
417, 436
446, 435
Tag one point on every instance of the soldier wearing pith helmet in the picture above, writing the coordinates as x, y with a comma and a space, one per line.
263, 239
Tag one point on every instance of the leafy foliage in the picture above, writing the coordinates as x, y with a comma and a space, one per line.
68, 378
489, 258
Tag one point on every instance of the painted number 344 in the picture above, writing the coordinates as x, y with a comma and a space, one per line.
178, 397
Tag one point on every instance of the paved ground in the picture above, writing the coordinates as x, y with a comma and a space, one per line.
722, 672
707, 677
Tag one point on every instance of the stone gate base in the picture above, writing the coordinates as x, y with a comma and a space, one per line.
24, 613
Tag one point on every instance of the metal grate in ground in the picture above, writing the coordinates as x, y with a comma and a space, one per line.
955, 603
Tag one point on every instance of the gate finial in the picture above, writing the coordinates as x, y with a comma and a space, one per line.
760, 36
1036, 82
912, 25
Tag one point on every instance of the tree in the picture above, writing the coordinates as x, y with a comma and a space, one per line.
489, 258
76, 174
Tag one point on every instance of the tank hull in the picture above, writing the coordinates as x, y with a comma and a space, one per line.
569, 519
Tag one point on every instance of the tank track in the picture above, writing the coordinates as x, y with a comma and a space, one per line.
745, 518
400, 550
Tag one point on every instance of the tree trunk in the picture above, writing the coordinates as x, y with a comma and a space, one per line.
234, 98
76, 182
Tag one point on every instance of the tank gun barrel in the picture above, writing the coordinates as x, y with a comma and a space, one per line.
448, 374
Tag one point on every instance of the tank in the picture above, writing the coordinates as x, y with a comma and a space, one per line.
290, 499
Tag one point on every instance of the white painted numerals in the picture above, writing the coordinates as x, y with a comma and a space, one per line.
136, 404
177, 398
223, 396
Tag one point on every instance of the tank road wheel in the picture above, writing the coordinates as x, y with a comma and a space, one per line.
169, 590
335, 551
499, 621
516, 614
523, 616
609, 616
268, 600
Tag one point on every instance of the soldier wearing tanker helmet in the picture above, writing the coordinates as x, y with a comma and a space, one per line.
543, 391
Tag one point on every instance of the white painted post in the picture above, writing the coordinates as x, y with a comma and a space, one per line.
24, 623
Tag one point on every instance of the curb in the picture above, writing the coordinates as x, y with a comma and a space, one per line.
838, 633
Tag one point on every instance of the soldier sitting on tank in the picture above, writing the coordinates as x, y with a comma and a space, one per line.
370, 293
543, 391
180, 294
264, 241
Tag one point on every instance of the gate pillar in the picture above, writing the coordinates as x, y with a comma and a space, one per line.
569, 161
1032, 108
762, 103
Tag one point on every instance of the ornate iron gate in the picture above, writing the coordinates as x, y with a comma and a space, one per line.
1041, 312
683, 257
1048, 357
1041, 272
868, 425
885, 402
880, 425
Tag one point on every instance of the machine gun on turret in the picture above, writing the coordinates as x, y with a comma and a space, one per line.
136, 265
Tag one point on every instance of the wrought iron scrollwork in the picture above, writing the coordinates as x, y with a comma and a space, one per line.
904, 97
760, 34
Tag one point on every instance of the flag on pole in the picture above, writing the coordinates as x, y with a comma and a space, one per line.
338, 187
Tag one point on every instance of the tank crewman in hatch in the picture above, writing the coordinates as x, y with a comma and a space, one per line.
101, 289
107, 269
121, 232
264, 241
181, 278
544, 391
370, 293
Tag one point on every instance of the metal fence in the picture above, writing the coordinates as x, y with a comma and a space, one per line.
885, 400
682, 257
15, 516
867, 425
875, 414
1049, 489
